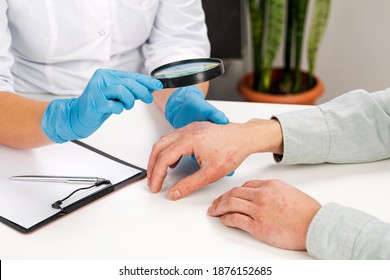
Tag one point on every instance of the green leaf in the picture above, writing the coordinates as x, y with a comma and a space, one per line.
317, 30
257, 13
274, 27
300, 8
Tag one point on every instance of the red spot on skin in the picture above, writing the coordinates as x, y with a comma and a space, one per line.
230, 156
284, 206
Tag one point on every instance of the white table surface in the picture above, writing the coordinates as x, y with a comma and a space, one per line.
133, 223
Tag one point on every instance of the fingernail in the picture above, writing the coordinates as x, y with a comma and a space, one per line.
149, 99
158, 85
225, 119
151, 186
220, 118
175, 195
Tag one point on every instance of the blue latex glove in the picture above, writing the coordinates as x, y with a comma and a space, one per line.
187, 105
108, 92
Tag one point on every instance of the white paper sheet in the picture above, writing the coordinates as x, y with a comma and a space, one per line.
28, 203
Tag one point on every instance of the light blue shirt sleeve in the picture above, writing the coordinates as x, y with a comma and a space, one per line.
338, 232
354, 127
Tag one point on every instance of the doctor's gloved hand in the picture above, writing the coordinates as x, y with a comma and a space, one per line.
108, 92
187, 105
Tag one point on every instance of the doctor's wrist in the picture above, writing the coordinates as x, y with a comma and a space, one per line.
56, 121
177, 99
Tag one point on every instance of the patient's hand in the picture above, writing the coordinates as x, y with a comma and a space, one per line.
272, 211
218, 149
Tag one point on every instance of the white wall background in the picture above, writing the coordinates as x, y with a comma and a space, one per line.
355, 52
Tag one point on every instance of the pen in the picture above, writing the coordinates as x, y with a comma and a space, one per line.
58, 179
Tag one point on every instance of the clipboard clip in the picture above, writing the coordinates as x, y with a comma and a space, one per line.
99, 182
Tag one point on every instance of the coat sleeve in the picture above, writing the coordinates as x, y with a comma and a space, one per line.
179, 32
6, 58
352, 128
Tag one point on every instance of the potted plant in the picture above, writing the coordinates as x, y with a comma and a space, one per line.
270, 19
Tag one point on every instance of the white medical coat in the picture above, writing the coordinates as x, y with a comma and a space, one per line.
54, 46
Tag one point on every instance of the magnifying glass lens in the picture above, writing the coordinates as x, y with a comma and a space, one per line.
181, 70
188, 72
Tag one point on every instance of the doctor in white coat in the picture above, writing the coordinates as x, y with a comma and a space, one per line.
56, 47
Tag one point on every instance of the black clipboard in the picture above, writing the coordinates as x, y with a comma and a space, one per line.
140, 174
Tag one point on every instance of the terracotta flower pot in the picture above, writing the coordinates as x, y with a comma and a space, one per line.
309, 97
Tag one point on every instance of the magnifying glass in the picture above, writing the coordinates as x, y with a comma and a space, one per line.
189, 72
